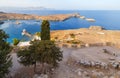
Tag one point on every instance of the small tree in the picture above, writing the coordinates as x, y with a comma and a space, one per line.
49, 53
40, 52
45, 30
5, 59
15, 41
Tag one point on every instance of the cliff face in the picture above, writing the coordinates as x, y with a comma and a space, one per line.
14, 16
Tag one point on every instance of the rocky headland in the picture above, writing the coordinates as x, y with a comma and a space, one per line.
57, 17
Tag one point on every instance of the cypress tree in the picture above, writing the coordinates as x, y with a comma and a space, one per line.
45, 30
5, 59
44, 51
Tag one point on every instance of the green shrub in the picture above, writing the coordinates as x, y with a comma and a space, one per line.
72, 35
15, 41
38, 34
56, 38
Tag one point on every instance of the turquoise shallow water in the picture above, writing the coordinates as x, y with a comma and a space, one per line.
108, 19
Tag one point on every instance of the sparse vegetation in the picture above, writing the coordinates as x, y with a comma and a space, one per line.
75, 42
56, 38
72, 35
105, 51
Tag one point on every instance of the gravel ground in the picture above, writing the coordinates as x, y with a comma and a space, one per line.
67, 69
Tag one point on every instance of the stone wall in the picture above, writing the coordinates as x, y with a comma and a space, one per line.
86, 45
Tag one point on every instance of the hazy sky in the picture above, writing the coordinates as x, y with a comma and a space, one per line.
64, 4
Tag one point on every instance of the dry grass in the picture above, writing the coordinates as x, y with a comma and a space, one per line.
88, 36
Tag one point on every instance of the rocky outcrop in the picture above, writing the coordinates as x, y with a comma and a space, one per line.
40, 76
90, 19
57, 17
1, 22
96, 28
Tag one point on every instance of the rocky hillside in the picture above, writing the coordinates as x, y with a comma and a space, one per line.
89, 36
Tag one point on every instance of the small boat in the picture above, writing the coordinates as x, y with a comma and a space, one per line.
1, 22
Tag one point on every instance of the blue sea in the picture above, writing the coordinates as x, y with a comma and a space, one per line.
108, 19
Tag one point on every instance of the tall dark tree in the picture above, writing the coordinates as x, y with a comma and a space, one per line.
5, 59
45, 30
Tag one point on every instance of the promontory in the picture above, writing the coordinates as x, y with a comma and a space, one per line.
57, 17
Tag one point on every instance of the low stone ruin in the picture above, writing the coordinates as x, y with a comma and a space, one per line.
98, 64
96, 28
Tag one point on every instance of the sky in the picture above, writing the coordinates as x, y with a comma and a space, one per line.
65, 4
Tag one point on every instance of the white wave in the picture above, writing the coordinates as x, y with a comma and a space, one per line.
31, 22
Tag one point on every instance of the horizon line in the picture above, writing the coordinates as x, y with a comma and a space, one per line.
50, 8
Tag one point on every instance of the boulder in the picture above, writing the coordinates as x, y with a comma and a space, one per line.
105, 77
79, 73
41, 76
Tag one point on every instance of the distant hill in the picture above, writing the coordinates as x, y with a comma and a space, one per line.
37, 8
2, 12
23, 8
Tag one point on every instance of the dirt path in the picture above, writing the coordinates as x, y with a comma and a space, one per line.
89, 54
16, 65
64, 71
